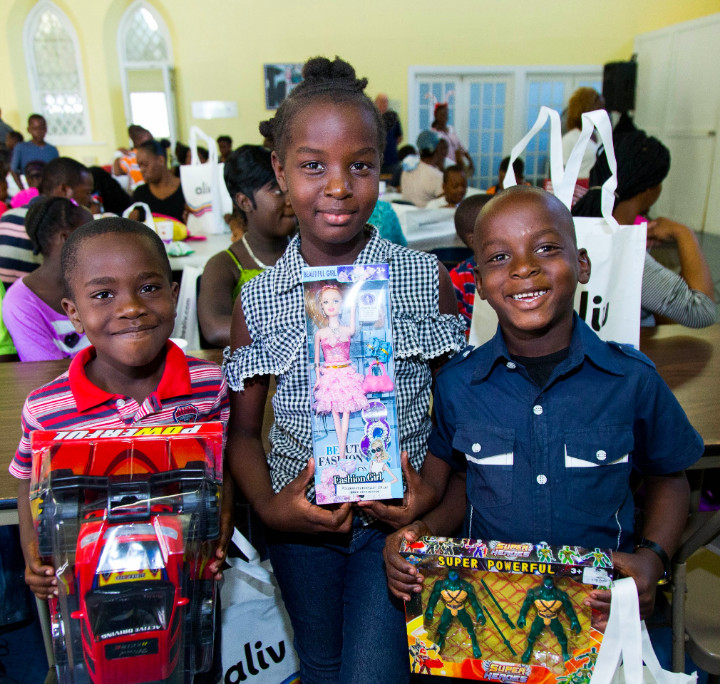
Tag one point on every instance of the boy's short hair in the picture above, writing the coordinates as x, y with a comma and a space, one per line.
553, 203
467, 213
17, 136
107, 226
224, 138
36, 116
62, 170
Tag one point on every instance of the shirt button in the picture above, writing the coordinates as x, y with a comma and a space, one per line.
601, 455
541, 479
537, 410
120, 403
510, 365
476, 447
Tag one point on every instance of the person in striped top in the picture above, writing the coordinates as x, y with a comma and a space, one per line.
119, 292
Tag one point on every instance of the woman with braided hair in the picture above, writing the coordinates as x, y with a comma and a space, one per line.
642, 164
32, 311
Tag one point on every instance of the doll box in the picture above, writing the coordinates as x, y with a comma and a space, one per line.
130, 518
351, 373
498, 612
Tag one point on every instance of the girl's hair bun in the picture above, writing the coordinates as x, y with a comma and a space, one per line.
319, 69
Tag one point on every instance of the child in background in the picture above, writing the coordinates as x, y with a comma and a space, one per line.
125, 162
33, 311
33, 176
547, 418
35, 149
518, 168
463, 275
269, 220
328, 139
454, 188
224, 143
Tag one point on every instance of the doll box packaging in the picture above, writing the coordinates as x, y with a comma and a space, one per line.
352, 386
500, 612
130, 520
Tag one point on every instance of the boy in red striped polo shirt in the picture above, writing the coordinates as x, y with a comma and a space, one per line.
120, 293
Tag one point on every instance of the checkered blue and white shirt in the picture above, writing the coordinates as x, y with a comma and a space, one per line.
275, 314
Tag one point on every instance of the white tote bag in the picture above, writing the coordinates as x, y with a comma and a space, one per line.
610, 302
186, 319
257, 638
204, 188
626, 639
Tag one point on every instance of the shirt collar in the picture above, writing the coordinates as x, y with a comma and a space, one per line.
175, 380
584, 343
289, 266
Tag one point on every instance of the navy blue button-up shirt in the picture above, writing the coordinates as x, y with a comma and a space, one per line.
553, 463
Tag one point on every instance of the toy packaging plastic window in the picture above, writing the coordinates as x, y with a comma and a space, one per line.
501, 612
129, 518
352, 388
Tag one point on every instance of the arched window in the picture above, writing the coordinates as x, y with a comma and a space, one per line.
146, 66
55, 75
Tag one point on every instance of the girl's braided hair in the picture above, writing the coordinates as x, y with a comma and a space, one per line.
333, 81
47, 216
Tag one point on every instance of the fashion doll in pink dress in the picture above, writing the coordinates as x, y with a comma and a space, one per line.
338, 386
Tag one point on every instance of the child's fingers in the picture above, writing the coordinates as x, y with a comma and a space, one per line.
598, 600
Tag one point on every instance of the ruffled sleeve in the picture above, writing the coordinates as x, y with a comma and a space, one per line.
428, 336
271, 353
277, 328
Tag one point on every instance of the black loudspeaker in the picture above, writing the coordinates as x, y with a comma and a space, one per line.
619, 86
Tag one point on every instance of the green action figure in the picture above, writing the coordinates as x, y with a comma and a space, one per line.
454, 593
548, 601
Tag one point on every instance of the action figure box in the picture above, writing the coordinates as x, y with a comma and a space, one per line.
130, 519
500, 612
352, 386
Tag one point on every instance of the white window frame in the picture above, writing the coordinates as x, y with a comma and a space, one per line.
166, 66
29, 30
519, 76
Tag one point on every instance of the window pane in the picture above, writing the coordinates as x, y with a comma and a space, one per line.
57, 77
142, 40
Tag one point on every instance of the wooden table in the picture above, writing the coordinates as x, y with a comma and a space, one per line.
687, 359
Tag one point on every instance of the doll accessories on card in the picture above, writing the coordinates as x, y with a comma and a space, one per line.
377, 379
380, 349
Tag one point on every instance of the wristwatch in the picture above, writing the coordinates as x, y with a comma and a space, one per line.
661, 554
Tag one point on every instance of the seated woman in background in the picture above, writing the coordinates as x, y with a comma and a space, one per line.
269, 221
422, 179
32, 310
162, 191
642, 165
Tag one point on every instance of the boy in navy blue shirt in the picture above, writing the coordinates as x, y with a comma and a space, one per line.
538, 430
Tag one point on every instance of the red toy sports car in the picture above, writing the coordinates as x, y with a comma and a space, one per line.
129, 523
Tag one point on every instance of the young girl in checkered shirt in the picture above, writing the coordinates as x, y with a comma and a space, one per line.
328, 140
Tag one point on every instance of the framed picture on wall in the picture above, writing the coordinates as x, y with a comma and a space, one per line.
280, 79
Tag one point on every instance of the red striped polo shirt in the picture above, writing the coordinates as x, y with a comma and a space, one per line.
190, 391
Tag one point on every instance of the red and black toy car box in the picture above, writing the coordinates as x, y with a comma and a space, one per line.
501, 612
129, 519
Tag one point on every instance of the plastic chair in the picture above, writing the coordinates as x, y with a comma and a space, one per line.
695, 603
